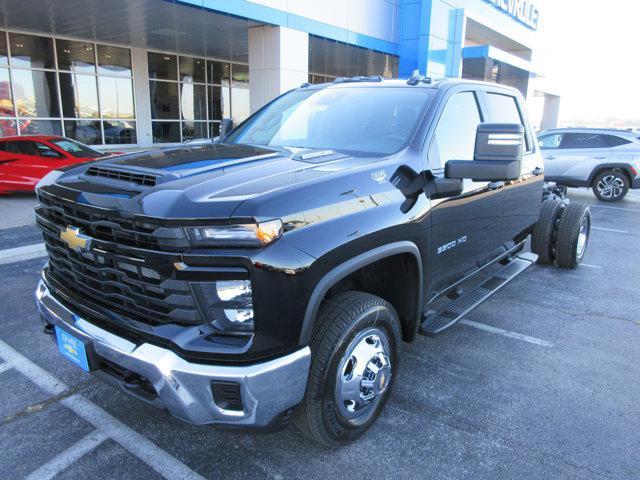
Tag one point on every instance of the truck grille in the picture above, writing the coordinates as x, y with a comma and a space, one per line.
108, 226
139, 285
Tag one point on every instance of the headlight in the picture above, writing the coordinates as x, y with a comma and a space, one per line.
227, 304
240, 235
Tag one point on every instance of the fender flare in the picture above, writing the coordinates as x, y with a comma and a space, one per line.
352, 265
610, 166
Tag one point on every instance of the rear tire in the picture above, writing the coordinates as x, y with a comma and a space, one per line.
610, 186
544, 233
354, 364
573, 235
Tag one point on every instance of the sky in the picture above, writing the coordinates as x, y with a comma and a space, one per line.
592, 50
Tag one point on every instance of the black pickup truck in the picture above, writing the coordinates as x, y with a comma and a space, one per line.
274, 272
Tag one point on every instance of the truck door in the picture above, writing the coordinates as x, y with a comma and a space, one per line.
466, 228
522, 197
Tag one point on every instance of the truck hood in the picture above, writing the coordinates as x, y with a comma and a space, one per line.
202, 181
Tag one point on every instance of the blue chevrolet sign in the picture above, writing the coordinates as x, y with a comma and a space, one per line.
524, 11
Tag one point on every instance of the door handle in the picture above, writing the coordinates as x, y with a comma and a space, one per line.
8, 160
536, 171
600, 157
495, 185
550, 157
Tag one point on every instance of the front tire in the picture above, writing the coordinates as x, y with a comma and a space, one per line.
610, 186
354, 364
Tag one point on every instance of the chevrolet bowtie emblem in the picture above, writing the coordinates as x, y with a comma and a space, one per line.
74, 239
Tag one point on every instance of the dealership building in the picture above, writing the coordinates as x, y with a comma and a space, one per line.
133, 73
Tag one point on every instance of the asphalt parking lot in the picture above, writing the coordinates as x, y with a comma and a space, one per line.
541, 381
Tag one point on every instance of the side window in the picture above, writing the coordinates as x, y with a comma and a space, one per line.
504, 109
550, 141
46, 151
615, 141
455, 135
583, 140
21, 147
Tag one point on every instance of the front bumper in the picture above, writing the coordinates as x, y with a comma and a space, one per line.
268, 390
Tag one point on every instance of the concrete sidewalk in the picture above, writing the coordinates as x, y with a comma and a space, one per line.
16, 210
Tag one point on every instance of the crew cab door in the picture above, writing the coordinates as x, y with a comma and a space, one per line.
522, 197
465, 229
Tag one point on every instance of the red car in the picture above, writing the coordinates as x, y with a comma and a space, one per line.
24, 160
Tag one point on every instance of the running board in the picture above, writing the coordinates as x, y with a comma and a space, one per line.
436, 322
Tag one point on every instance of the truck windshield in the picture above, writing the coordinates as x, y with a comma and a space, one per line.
361, 119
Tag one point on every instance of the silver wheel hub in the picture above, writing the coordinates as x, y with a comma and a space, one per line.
610, 186
364, 374
583, 237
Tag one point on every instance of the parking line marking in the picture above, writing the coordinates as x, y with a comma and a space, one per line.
507, 333
58, 463
609, 230
5, 366
616, 208
162, 462
19, 254
588, 265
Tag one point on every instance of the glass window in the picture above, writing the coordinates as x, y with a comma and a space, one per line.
214, 129
218, 72
503, 108
193, 101
6, 101
7, 127
219, 106
550, 141
85, 131
116, 97
164, 100
35, 93
77, 149
20, 147
76, 56
46, 151
166, 132
162, 66
192, 70
583, 140
114, 61
615, 141
240, 74
192, 130
31, 51
79, 95
240, 104
40, 127
371, 120
455, 134
119, 132
4, 56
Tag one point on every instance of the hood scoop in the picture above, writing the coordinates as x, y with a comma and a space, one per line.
141, 179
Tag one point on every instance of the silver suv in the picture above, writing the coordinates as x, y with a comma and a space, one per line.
607, 160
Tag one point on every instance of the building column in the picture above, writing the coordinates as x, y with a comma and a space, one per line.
141, 95
550, 112
278, 62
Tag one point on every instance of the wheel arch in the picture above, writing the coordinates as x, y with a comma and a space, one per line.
598, 169
409, 311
